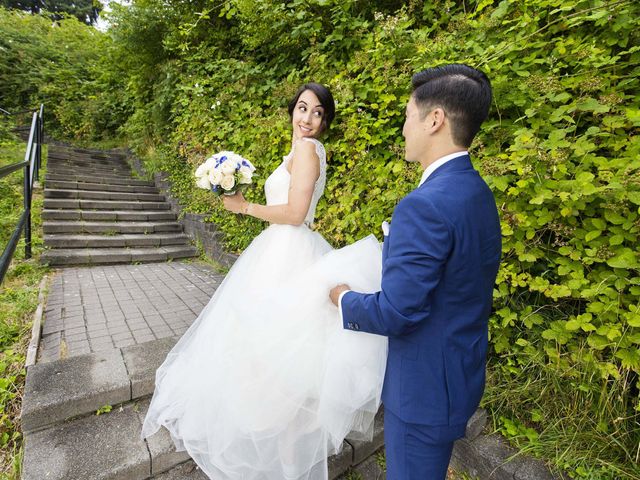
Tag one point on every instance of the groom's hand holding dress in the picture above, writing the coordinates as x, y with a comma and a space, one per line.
439, 266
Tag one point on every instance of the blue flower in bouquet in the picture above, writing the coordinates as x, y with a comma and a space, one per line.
225, 173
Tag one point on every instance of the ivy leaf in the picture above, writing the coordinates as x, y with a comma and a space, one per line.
633, 319
633, 114
591, 104
598, 342
630, 357
501, 10
626, 258
616, 240
634, 197
593, 234
557, 332
614, 217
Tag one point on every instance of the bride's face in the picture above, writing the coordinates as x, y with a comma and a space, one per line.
307, 116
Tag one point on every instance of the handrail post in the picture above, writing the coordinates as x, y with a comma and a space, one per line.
40, 140
29, 158
27, 207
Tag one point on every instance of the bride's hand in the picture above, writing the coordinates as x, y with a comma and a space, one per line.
235, 203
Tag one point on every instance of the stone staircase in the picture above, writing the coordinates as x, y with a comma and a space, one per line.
65, 439
95, 212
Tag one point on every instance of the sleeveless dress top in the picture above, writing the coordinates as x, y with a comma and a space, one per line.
277, 185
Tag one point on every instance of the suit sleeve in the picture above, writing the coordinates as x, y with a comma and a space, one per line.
419, 245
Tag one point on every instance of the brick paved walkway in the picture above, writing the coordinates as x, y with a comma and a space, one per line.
99, 308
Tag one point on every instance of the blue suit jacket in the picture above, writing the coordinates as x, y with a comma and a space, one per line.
440, 263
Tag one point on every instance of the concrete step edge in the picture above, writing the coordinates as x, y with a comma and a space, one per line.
79, 194
69, 241
110, 227
109, 256
84, 204
74, 185
106, 215
127, 180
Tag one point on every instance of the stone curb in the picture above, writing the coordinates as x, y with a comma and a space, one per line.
36, 329
489, 457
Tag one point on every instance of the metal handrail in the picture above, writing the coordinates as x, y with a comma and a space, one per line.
31, 165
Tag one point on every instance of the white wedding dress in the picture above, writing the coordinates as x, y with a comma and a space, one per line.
266, 383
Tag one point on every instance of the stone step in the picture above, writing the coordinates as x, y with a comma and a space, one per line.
86, 162
91, 172
185, 471
108, 180
63, 389
62, 185
55, 154
91, 152
103, 195
109, 228
108, 446
57, 203
103, 256
125, 240
106, 215
64, 439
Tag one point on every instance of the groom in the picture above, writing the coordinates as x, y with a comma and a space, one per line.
439, 265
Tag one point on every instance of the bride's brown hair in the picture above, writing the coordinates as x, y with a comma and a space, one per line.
326, 100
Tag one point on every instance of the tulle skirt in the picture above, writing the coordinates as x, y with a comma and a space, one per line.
266, 383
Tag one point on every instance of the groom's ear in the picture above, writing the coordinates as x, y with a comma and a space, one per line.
436, 119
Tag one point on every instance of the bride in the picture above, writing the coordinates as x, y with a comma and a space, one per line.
266, 383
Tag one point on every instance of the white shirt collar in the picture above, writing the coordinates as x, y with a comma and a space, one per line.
438, 163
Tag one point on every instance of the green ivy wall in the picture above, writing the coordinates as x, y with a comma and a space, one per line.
181, 80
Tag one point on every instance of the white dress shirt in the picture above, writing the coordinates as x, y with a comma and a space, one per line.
427, 172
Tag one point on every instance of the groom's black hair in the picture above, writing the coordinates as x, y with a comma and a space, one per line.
463, 92
326, 100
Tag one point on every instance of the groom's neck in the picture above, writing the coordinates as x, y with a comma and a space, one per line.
439, 151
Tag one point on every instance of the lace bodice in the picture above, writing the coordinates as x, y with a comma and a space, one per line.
276, 187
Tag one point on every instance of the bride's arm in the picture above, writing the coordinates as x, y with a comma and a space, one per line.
305, 170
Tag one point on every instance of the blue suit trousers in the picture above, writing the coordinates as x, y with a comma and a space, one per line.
418, 452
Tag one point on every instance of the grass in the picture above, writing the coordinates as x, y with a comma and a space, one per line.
18, 302
550, 410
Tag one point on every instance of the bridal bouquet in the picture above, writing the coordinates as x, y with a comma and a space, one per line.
225, 173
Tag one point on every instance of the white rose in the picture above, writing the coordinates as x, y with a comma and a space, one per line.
245, 175
203, 182
228, 182
210, 162
228, 167
251, 167
215, 176
202, 170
